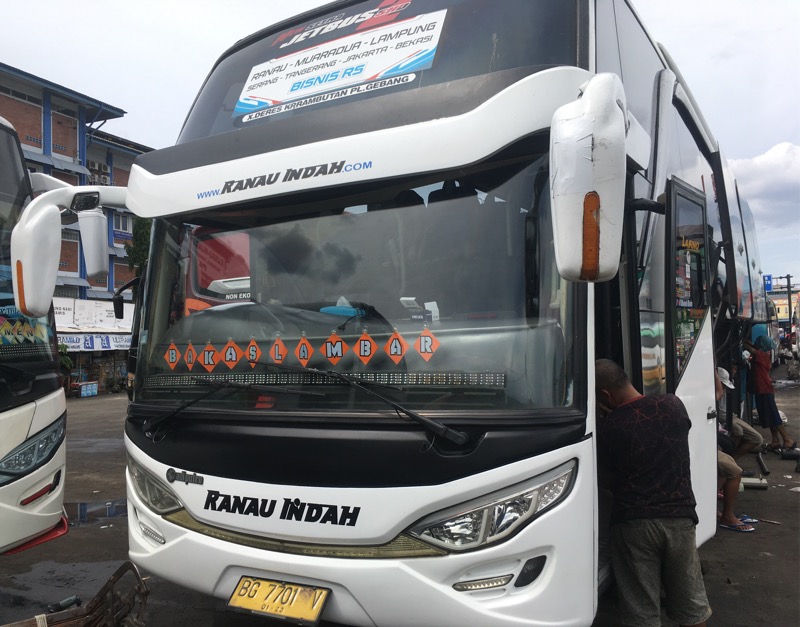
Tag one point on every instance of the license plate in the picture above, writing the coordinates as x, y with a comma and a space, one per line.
279, 599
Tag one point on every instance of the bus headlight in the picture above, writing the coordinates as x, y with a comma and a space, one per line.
33, 453
496, 516
155, 494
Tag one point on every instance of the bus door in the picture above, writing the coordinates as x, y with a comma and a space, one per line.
662, 290
689, 337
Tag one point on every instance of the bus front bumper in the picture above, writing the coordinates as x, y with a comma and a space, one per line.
32, 505
410, 591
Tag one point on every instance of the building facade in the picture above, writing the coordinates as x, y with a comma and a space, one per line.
786, 316
60, 132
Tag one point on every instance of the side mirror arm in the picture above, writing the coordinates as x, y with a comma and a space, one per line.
118, 300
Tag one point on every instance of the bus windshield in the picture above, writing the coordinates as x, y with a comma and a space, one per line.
443, 288
411, 50
27, 345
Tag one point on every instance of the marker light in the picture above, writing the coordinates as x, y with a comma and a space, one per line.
155, 494
33, 453
591, 237
482, 584
150, 533
23, 306
496, 516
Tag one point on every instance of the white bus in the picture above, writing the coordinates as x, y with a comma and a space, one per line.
32, 405
32, 402
407, 230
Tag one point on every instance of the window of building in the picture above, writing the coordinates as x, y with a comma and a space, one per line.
66, 291
122, 222
20, 95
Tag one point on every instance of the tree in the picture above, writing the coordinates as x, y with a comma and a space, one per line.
64, 359
139, 247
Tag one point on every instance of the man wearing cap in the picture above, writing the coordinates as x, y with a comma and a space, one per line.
729, 473
745, 437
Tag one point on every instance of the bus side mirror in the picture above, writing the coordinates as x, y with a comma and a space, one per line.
119, 306
35, 253
119, 301
94, 241
587, 179
36, 241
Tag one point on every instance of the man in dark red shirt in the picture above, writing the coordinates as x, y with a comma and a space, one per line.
643, 443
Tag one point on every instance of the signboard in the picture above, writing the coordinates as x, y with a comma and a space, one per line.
768, 282
90, 325
348, 65
90, 342
90, 315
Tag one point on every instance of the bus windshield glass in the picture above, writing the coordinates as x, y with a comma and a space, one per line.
444, 288
413, 49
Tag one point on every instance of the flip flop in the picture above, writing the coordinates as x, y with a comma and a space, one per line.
741, 527
747, 520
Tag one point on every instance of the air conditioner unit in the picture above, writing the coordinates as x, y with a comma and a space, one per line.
104, 167
105, 180
92, 165
91, 179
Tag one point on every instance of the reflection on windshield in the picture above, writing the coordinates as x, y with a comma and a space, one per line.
23, 340
447, 290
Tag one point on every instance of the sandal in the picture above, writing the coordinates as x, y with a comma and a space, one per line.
772, 448
789, 447
741, 527
747, 520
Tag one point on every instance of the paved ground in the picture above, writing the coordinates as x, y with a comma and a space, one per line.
752, 579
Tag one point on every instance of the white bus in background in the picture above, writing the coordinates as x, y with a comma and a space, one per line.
439, 214
32, 403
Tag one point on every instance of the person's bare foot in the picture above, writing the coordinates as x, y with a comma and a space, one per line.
738, 525
724, 520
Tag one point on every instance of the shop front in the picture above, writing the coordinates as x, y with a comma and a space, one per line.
98, 362
96, 345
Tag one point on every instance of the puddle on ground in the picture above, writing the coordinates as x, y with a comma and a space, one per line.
98, 511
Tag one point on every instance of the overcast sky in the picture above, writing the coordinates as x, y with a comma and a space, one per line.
149, 57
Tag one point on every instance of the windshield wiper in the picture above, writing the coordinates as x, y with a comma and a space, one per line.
216, 386
434, 426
